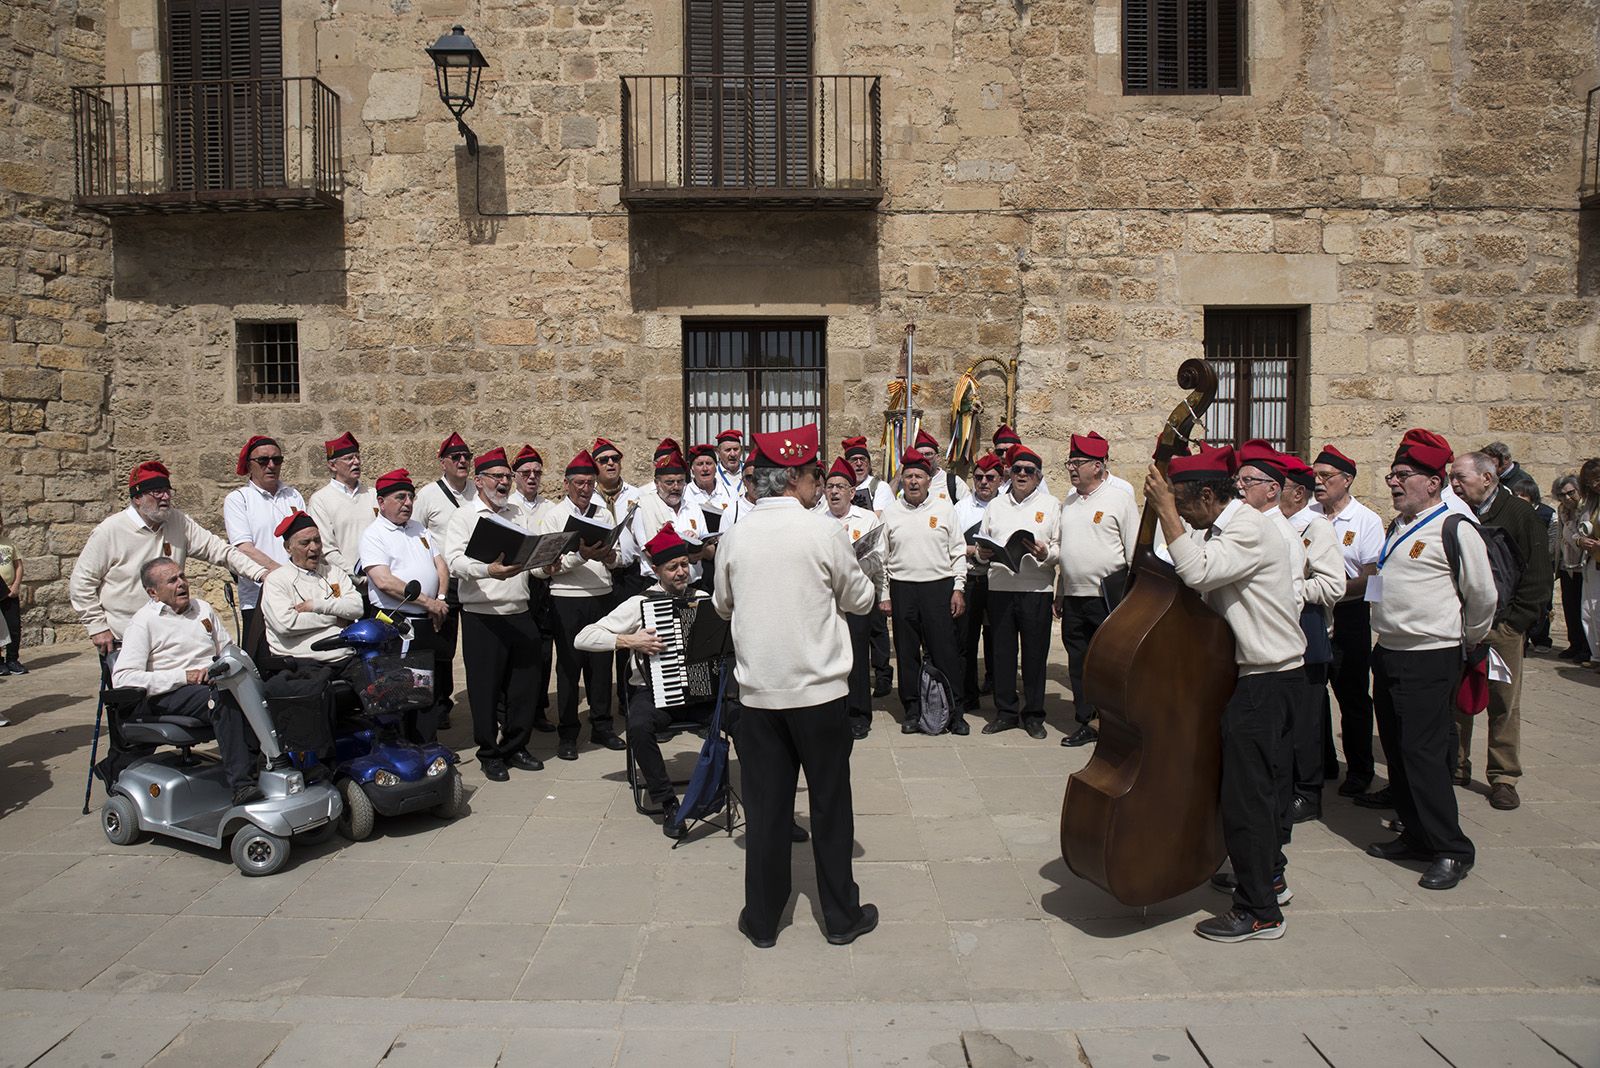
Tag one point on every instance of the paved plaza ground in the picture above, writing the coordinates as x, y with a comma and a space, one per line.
554, 926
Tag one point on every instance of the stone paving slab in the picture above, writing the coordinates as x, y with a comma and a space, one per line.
553, 925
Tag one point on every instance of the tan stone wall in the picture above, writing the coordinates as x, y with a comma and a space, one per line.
1406, 173
55, 268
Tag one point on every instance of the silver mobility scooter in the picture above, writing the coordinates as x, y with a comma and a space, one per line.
186, 796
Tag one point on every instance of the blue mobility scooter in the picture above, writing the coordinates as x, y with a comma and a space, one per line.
376, 769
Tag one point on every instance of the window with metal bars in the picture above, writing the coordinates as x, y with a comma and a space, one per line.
1184, 47
753, 376
1257, 356
268, 361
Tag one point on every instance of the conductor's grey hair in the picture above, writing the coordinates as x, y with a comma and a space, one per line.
772, 481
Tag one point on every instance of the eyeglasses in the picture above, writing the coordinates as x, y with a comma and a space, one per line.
1399, 476
1024, 469
267, 461
1079, 462
506, 477
1328, 476
1251, 480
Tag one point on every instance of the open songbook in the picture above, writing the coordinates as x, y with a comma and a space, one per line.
1009, 555
496, 540
867, 542
597, 530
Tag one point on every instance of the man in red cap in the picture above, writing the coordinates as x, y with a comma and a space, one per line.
1424, 616
787, 579
1236, 559
251, 513
623, 630
105, 587
838, 493
1358, 532
307, 599
527, 473
704, 488
1019, 601
1099, 531
873, 494
988, 475
617, 495
668, 506
395, 550
436, 503
499, 640
925, 557
942, 485
730, 450
344, 509
581, 592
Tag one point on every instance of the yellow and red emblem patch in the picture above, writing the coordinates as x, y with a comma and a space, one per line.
1416, 549
1099, 516
933, 522
1349, 537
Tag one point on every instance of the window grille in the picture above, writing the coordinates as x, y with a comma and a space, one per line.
1184, 47
1259, 371
268, 362
753, 376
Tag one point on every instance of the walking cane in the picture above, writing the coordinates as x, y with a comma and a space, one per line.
94, 745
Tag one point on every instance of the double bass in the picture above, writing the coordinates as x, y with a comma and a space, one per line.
1142, 819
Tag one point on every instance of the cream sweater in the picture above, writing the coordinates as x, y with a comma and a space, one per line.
1418, 606
1241, 567
786, 577
1040, 515
478, 592
1099, 532
924, 543
334, 603
1325, 577
579, 577
342, 517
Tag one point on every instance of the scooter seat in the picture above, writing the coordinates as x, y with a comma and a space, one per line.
167, 730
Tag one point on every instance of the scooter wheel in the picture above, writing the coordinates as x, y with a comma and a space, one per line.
258, 852
120, 820
355, 822
455, 805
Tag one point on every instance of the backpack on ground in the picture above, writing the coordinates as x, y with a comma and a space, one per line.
936, 700
1505, 562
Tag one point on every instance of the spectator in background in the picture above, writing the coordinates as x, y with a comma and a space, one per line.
10, 610
1587, 540
1523, 485
1506, 468
1569, 566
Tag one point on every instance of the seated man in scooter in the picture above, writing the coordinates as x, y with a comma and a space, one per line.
308, 600
166, 648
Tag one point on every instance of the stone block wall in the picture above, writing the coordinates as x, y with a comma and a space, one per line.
55, 270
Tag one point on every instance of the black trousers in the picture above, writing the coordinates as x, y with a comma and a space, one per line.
881, 671
544, 620
1021, 623
217, 708
774, 746
1571, 611
572, 615
423, 726
444, 653
625, 582
499, 654
1351, 677
644, 719
253, 634
11, 611
1080, 618
1255, 784
922, 622
1305, 727
859, 701
974, 627
1414, 699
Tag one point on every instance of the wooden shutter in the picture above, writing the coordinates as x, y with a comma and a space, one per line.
225, 63
1183, 46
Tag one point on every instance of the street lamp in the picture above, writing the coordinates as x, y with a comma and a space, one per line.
458, 67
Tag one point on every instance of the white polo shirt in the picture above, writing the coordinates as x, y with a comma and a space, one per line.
1359, 533
408, 552
251, 514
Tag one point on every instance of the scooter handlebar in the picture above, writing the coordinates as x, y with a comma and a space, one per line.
334, 641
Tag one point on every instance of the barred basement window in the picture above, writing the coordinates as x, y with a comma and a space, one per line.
1184, 47
268, 362
753, 376
1259, 376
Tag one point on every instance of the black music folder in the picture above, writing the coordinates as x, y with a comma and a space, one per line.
598, 531
495, 540
711, 637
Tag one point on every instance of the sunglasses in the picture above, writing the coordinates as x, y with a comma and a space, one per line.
266, 461
458, 457
1024, 469
608, 460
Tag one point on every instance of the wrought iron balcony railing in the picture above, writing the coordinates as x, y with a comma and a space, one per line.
751, 141
241, 144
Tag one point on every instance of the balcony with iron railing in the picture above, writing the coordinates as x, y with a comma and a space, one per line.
234, 145
1589, 180
751, 142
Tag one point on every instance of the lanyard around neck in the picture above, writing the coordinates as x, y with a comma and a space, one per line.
1400, 536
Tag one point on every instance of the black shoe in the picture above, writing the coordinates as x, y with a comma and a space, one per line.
607, 740
867, 922
987, 688
759, 943
1227, 882
15, 667
882, 687
909, 727
1462, 776
1444, 873
1236, 926
1354, 787
669, 820
1397, 849
567, 750
444, 722
959, 727
246, 793
1304, 810
1082, 736
798, 833
860, 727
525, 761
494, 770
1384, 798
543, 725
998, 725
1569, 653
1035, 730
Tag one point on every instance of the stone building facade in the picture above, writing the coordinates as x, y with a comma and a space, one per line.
1402, 178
